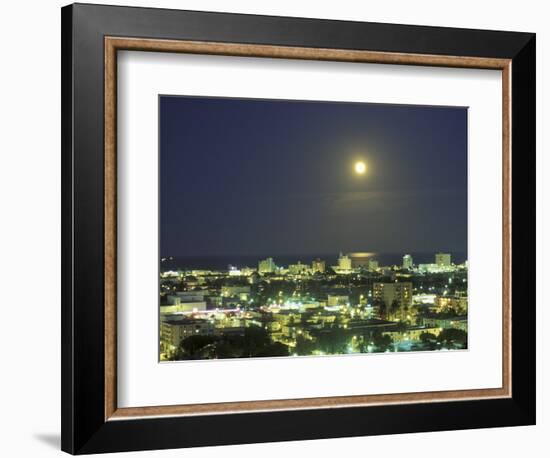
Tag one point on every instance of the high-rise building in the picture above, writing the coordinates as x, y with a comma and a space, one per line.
407, 262
443, 259
373, 264
266, 266
395, 299
173, 332
297, 269
344, 262
318, 265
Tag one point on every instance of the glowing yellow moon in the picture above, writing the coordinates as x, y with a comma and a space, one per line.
360, 167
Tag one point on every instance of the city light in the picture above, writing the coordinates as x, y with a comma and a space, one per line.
317, 310
326, 229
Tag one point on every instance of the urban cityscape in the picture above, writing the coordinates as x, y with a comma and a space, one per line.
313, 309
295, 228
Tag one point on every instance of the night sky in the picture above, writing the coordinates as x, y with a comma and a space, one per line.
263, 177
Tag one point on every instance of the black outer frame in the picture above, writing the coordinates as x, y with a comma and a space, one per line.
84, 429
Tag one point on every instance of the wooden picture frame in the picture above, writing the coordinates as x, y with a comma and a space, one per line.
91, 37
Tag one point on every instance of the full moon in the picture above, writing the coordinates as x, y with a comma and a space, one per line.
360, 167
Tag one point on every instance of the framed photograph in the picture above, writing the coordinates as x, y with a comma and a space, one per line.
281, 228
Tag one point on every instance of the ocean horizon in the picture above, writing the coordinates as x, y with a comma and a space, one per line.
223, 262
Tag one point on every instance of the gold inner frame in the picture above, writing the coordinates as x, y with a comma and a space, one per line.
114, 44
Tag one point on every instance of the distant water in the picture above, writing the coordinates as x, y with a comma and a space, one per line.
222, 262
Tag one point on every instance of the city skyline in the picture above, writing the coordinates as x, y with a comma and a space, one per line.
278, 219
314, 308
406, 260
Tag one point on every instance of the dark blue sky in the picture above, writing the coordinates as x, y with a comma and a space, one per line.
254, 177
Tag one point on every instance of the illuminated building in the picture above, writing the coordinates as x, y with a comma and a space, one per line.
236, 291
297, 269
344, 262
424, 298
407, 262
243, 272
294, 307
372, 264
234, 271
334, 300
287, 317
456, 303
310, 305
412, 333
191, 296
396, 298
459, 322
443, 259
435, 268
173, 332
317, 265
170, 274
266, 266
183, 307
